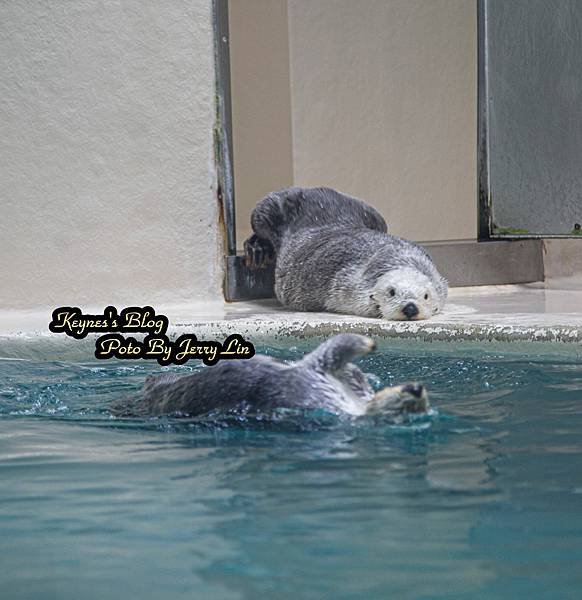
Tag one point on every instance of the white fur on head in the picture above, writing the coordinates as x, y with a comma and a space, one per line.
403, 286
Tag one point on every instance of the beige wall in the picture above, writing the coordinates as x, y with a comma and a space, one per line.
106, 117
261, 115
383, 103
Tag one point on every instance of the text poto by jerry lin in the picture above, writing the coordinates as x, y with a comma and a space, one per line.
155, 345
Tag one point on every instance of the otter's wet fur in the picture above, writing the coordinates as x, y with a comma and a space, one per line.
333, 253
323, 379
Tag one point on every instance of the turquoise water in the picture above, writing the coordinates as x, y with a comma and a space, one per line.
482, 500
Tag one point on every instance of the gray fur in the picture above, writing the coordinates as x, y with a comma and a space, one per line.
325, 378
331, 251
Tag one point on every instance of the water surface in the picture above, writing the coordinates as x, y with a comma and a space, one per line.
482, 500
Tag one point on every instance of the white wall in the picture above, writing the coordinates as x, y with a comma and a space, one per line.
383, 96
106, 158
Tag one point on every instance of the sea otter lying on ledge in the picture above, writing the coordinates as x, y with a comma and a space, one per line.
332, 253
323, 379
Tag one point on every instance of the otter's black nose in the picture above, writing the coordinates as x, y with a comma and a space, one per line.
415, 389
410, 310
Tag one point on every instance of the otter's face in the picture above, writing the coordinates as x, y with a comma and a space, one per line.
406, 294
410, 398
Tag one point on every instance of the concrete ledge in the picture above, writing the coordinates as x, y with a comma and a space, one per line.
528, 319
489, 263
539, 341
562, 258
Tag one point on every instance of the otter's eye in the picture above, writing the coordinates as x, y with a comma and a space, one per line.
426, 296
392, 291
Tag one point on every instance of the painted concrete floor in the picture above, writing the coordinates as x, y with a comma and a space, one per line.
536, 312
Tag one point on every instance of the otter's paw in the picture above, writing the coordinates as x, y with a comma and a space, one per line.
258, 252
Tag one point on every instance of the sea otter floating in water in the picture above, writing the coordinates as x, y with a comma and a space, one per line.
324, 379
333, 253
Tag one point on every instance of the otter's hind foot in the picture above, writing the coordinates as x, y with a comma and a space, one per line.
258, 252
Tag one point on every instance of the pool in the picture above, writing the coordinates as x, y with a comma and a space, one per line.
481, 500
